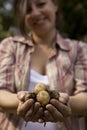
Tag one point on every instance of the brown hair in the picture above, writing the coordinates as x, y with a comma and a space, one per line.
20, 10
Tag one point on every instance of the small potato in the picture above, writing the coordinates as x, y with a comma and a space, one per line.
54, 94
30, 95
39, 87
43, 97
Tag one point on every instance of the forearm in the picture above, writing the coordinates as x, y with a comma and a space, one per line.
78, 104
8, 102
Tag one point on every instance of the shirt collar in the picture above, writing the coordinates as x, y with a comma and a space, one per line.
60, 41
63, 43
24, 40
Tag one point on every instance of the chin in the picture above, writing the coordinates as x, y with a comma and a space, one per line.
43, 31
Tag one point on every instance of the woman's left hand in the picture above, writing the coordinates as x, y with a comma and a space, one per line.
57, 110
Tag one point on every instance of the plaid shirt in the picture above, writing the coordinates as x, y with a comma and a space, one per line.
66, 70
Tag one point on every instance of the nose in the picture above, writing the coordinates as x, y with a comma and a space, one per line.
35, 11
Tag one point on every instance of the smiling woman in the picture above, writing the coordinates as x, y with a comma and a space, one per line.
41, 55
36, 16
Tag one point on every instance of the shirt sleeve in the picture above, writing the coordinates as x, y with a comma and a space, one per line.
7, 65
81, 68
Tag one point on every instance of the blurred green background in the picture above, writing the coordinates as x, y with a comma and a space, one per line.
73, 16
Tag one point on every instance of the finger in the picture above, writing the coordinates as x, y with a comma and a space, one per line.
32, 111
48, 117
21, 95
40, 120
23, 107
28, 115
37, 105
38, 115
57, 115
64, 109
64, 98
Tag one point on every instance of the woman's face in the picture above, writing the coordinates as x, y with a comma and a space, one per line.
41, 15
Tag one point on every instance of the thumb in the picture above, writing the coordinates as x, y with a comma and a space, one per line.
64, 98
21, 95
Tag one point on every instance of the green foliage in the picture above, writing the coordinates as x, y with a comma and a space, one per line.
6, 19
74, 18
73, 14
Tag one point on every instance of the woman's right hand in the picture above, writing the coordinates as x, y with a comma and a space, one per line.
29, 110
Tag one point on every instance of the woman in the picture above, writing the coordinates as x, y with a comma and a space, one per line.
42, 55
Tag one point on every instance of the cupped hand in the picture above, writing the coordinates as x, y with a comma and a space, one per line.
29, 110
57, 110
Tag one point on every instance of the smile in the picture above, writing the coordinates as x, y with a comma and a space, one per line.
39, 21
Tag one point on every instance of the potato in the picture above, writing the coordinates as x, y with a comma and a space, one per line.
39, 87
42, 94
43, 97
54, 94
30, 95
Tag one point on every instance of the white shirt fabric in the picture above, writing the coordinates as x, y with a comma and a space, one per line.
35, 77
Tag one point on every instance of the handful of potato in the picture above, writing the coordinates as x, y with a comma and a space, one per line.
42, 94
